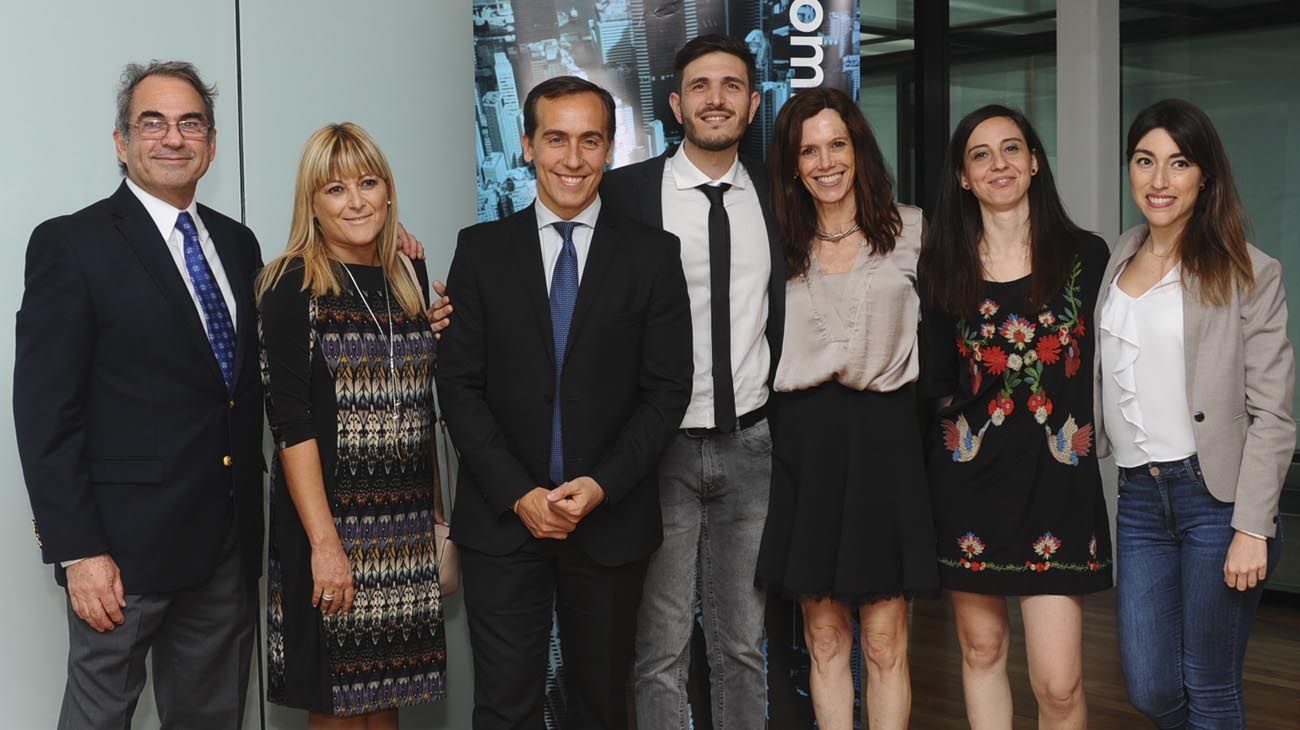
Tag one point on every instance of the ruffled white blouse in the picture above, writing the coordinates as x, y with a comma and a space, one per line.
1143, 373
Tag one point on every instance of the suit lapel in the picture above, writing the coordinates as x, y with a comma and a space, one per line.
240, 285
139, 232
1194, 318
653, 185
600, 256
533, 271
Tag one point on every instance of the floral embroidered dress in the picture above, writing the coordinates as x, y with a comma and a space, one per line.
1016, 489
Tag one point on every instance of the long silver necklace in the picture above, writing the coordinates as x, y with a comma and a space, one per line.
388, 336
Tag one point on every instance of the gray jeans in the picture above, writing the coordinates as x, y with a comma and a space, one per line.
713, 491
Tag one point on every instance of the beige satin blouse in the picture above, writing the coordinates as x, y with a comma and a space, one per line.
860, 332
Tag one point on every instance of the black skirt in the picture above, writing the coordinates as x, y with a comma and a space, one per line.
849, 516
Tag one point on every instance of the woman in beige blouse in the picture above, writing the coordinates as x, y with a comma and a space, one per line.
849, 527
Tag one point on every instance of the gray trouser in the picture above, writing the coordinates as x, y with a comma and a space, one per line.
202, 643
713, 491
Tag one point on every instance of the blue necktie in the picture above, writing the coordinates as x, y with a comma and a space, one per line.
221, 332
564, 294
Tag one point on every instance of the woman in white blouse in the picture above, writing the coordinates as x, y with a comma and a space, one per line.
848, 527
1194, 385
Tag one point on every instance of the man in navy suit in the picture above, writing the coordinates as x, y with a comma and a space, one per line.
567, 372
138, 410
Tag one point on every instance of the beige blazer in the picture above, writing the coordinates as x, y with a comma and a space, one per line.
1240, 384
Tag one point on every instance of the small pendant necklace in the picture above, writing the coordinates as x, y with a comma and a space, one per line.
388, 337
832, 237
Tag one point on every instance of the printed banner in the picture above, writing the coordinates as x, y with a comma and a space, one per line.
627, 46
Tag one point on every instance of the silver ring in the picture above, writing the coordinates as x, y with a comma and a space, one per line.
327, 596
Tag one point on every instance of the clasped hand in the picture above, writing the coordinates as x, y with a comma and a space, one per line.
554, 513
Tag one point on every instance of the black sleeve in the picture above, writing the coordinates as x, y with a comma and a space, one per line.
1095, 256
462, 388
54, 352
422, 278
939, 375
285, 336
667, 366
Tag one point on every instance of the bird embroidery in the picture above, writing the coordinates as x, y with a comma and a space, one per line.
1070, 443
958, 438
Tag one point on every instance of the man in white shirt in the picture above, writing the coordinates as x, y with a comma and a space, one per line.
715, 474
138, 410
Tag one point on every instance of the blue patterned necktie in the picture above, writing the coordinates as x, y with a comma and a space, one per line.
564, 294
221, 331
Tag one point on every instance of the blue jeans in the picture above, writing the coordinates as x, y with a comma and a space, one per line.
1182, 630
713, 491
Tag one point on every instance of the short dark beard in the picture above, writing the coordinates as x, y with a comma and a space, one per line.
716, 144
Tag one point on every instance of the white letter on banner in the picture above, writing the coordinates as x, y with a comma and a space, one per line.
814, 62
808, 26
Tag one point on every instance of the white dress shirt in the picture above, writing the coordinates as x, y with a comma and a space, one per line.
552, 242
164, 217
686, 215
1143, 374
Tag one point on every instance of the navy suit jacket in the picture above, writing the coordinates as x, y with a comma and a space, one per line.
130, 442
626, 380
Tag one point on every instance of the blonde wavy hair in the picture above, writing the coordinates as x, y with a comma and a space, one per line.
334, 152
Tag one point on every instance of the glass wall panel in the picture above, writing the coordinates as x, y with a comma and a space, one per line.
962, 12
1243, 80
1026, 83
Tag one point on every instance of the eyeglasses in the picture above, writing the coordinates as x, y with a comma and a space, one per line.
158, 128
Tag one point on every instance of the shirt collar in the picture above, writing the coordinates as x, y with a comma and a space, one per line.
686, 175
546, 216
164, 214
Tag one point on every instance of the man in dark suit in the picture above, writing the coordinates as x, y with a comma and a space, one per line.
138, 409
567, 371
716, 471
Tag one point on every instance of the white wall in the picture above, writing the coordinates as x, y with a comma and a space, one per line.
402, 69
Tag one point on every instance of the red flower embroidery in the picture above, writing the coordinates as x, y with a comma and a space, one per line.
962, 349
1071, 361
1017, 331
994, 359
1078, 328
1040, 405
1047, 545
1049, 349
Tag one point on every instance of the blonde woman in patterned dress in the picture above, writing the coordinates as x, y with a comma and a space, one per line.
354, 616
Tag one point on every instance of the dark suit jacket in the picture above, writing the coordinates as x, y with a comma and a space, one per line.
129, 440
637, 192
626, 380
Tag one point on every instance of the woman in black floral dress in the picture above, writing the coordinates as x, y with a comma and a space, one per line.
1009, 284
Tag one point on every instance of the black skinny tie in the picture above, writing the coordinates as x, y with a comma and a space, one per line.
724, 394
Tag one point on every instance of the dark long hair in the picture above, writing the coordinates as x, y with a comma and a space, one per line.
873, 189
1213, 245
949, 271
